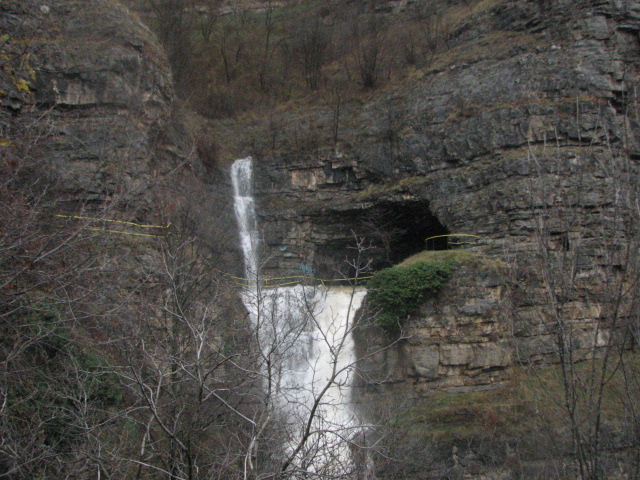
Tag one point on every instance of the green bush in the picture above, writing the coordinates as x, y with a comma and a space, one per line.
397, 291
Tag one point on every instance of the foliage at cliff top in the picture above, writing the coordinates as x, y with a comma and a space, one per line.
396, 292
460, 256
455, 255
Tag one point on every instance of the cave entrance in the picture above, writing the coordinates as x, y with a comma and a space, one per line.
400, 230
392, 232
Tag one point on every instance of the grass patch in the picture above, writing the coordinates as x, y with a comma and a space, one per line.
461, 415
458, 256
621, 376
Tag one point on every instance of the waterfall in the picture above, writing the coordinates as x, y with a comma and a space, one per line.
307, 350
242, 179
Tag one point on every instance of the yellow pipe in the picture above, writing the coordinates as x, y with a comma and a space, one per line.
453, 235
124, 233
78, 217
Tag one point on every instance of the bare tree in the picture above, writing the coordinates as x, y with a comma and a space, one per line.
232, 44
369, 37
269, 45
586, 317
207, 17
174, 23
424, 33
314, 41
184, 369
304, 336
51, 397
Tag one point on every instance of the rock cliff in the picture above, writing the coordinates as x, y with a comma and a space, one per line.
520, 140
456, 144
107, 198
527, 114
522, 112
100, 107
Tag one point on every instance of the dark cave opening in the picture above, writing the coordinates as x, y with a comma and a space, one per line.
403, 229
391, 232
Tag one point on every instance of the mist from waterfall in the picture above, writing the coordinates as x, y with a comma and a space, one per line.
305, 336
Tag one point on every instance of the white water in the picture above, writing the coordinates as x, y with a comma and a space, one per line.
242, 179
307, 350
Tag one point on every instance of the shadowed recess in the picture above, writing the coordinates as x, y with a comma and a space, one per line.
395, 231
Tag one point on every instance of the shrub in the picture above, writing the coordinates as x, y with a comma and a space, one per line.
55, 385
397, 291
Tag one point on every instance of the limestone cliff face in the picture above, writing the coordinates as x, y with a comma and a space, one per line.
95, 161
101, 103
522, 111
109, 89
94, 142
457, 142
459, 340
522, 114
100, 93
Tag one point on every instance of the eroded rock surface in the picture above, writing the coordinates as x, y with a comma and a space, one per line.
99, 102
529, 111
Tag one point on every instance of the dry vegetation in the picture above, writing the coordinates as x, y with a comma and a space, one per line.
251, 57
519, 429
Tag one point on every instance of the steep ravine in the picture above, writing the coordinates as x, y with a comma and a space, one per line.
525, 120
522, 113
524, 134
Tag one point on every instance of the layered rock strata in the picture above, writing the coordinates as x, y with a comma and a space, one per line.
528, 117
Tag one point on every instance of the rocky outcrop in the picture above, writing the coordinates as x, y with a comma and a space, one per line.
108, 216
100, 92
97, 151
99, 103
459, 340
107, 85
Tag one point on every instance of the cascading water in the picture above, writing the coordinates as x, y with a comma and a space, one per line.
307, 350
242, 179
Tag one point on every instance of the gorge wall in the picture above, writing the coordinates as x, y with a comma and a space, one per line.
105, 224
530, 111
97, 115
524, 133
530, 108
457, 145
